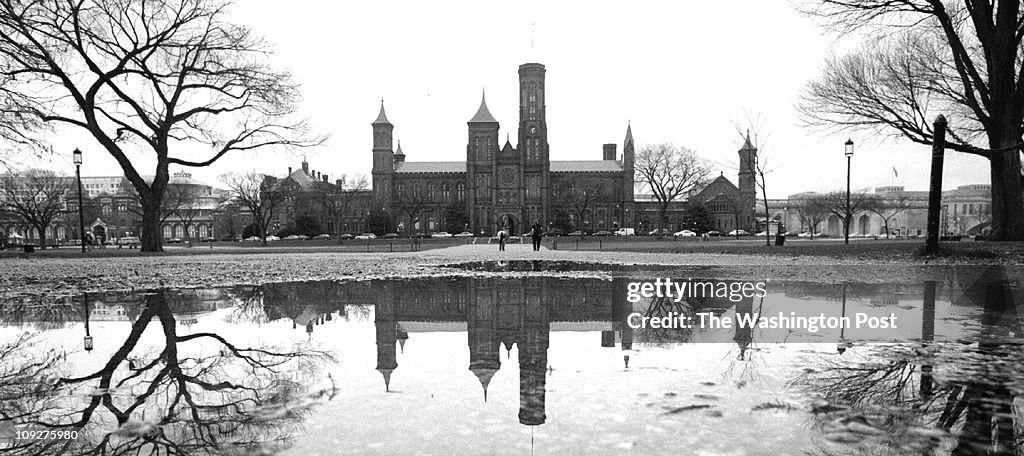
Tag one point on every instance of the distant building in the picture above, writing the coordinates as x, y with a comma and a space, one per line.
966, 210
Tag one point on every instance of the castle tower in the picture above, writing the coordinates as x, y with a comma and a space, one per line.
383, 159
534, 152
748, 186
628, 177
481, 151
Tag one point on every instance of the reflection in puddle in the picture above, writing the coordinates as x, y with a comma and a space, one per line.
379, 367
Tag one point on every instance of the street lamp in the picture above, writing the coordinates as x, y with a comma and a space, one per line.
77, 157
849, 155
87, 342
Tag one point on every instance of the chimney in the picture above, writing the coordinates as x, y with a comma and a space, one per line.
289, 170
325, 179
305, 166
316, 174
339, 182
609, 151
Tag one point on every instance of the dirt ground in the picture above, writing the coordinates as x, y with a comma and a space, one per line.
70, 271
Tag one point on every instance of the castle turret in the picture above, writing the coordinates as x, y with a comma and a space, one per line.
399, 155
481, 151
383, 158
747, 184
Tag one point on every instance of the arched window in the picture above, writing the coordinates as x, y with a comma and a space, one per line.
446, 192
430, 192
461, 191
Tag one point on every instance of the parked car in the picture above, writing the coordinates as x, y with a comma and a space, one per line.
322, 236
273, 238
625, 232
294, 237
208, 239
603, 233
173, 241
443, 234
714, 233
663, 231
684, 233
739, 233
464, 234
555, 232
390, 236
129, 241
252, 238
762, 234
808, 234
345, 236
366, 236
576, 233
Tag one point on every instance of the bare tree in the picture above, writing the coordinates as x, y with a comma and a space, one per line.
412, 202
671, 172
582, 193
887, 207
35, 196
960, 58
836, 203
813, 211
149, 77
337, 199
260, 194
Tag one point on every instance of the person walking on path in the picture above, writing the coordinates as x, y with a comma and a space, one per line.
502, 237
537, 231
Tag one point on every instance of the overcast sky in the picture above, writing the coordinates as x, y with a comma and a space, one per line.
679, 71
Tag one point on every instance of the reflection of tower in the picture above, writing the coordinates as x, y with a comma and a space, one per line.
533, 363
744, 334
621, 308
484, 345
387, 335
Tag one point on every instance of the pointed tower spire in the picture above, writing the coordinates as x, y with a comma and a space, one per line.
381, 118
387, 378
483, 115
747, 145
629, 135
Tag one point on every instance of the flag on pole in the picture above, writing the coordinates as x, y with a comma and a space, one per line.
894, 173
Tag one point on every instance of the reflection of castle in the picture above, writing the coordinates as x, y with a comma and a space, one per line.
495, 314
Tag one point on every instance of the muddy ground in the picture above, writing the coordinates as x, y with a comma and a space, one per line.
64, 271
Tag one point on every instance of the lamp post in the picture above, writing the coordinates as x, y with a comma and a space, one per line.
87, 342
77, 156
849, 155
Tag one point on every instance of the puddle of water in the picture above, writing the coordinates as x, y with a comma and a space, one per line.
510, 365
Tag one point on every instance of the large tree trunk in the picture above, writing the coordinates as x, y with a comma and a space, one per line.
1007, 192
42, 237
150, 234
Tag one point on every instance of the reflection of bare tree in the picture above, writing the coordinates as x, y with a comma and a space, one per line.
898, 398
248, 305
665, 307
199, 394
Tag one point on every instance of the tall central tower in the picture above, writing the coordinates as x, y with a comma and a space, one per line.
533, 143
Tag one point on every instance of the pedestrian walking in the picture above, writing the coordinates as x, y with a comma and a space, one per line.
502, 237
537, 232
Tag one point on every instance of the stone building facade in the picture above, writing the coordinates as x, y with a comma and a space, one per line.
501, 185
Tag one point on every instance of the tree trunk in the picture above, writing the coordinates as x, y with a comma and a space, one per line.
150, 234
263, 229
42, 237
1007, 194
